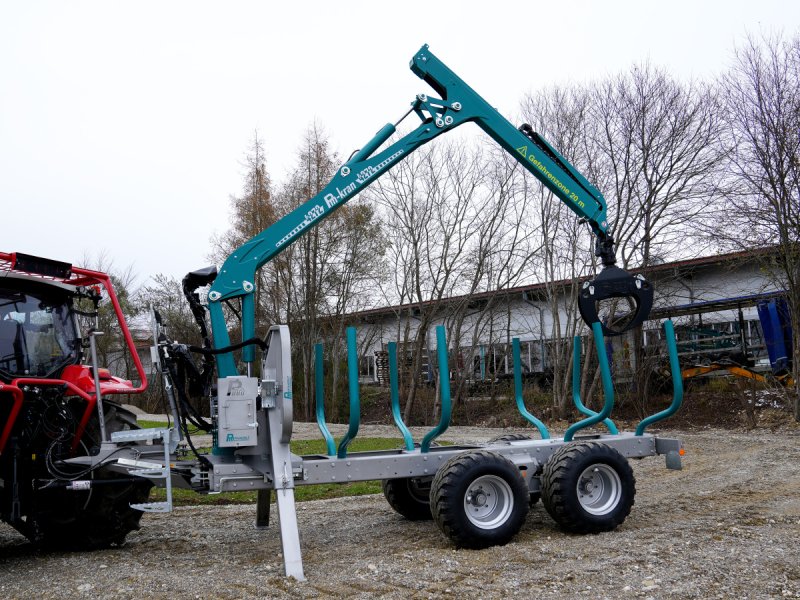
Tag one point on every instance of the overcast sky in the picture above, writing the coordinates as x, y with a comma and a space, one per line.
123, 125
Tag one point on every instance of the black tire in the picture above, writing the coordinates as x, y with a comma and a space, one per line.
409, 496
96, 518
509, 437
517, 437
479, 499
588, 487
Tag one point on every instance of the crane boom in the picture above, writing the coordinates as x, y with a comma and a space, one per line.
458, 104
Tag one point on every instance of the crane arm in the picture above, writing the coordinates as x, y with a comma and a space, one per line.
457, 105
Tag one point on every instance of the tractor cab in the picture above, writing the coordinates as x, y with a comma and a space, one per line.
38, 331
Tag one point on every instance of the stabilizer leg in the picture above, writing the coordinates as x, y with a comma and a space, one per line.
284, 498
276, 391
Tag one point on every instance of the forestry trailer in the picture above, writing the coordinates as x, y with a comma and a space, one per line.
76, 471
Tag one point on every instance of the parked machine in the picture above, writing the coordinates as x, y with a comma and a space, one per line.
705, 351
49, 409
63, 438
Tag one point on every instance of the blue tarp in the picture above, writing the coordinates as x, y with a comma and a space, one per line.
777, 327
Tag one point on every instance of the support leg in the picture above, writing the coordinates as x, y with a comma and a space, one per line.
290, 536
284, 497
262, 508
277, 390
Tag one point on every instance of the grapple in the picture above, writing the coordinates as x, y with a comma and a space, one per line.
616, 299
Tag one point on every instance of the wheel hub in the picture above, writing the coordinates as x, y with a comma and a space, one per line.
488, 502
478, 498
599, 489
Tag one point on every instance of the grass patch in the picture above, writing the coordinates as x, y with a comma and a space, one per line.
303, 492
144, 424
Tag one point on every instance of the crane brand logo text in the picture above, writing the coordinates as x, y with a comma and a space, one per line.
332, 199
310, 217
377, 169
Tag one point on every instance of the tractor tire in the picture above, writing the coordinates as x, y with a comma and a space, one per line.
517, 437
588, 487
409, 497
479, 499
95, 518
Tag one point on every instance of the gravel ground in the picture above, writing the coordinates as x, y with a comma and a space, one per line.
726, 526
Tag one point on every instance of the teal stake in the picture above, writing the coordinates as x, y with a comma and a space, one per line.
444, 391
608, 386
677, 381
395, 395
576, 387
355, 403
320, 399
518, 392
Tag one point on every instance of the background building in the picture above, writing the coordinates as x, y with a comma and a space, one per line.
712, 301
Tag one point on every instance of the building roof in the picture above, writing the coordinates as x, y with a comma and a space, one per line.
531, 289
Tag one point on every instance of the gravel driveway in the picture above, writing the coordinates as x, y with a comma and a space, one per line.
726, 526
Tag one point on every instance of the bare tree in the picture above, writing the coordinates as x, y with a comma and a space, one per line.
326, 273
456, 227
654, 153
357, 267
425, 214
251, 212
561, 115
502, 243
762, 102
318, 279
648, 143
165, 294
307, 262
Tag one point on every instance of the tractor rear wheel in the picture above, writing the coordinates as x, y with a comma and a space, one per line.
95, 518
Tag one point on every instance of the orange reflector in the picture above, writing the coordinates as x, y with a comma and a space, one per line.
681, 451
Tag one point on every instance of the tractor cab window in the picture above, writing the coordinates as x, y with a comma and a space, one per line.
37, 334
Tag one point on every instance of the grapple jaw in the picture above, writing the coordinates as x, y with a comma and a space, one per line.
616, 299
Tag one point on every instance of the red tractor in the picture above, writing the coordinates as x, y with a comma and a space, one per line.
50, 384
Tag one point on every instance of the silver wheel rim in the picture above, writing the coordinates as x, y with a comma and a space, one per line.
488, 502
599, 489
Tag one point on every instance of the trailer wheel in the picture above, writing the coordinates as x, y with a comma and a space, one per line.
96, 518
588, 487
517, 437
479, 499
509, 437
409, 496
